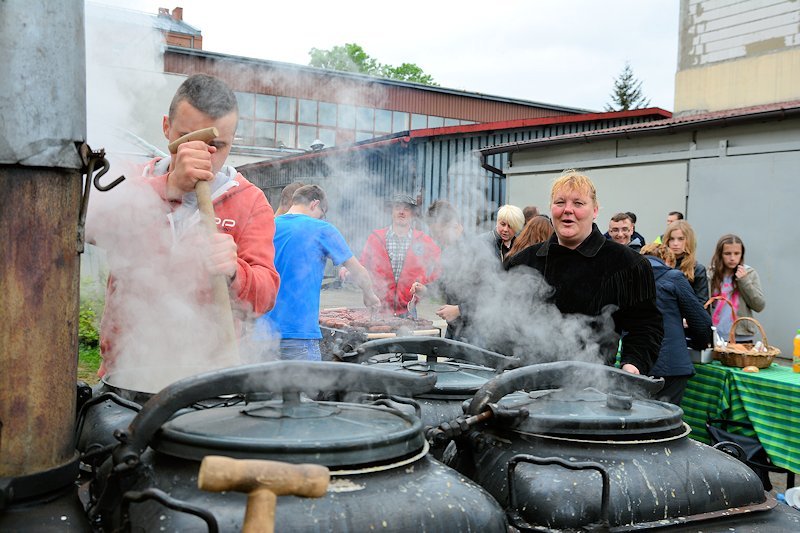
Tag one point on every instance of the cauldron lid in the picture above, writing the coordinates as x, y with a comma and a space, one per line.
451, 377
595, 415
327, 433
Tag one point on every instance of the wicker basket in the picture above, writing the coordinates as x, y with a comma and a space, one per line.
742, 355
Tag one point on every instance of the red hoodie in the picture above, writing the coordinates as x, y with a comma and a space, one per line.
421, 264
242, 211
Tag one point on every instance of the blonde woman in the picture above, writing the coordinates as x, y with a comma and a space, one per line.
510, 221
680, 239
589, 273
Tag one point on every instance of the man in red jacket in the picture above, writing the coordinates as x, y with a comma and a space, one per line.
398, 256
159, 307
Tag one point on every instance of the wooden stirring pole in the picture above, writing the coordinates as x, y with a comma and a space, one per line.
263, 482
229, 355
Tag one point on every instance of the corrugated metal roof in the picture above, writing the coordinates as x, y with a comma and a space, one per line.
774, 111
497, 128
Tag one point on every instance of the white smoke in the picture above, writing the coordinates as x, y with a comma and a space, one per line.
164, 316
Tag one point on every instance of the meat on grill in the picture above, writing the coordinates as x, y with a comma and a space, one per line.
362, 319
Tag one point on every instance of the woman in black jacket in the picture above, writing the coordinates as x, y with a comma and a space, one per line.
590, 274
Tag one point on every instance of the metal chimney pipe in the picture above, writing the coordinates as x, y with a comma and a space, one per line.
43, 116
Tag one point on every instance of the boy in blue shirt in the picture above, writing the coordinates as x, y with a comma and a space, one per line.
303, 243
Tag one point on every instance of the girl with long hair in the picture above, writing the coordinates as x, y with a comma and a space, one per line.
538, 229
739, 284
681, 240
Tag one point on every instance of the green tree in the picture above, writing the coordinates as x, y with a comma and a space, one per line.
352, 58
627, 92
348, 58
407, 72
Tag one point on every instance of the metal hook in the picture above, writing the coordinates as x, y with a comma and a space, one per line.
91, 159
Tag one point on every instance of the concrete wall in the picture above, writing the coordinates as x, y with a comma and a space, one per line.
737, 179
736, 54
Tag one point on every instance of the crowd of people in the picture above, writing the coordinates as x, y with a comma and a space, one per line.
651, 294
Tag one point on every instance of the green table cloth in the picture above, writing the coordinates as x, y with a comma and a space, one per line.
769, 399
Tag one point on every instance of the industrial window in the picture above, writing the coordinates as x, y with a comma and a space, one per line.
285, 135
305, 136
327, 136
265, 107
399, 121
363, 135
419, 122
383, 120
246, 103
327, 114
308, 112
287, 109
264, 133
435, 122
347, 117
365, 118
451, 122
244, 132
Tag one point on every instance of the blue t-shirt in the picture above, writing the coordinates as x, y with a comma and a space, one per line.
302, 246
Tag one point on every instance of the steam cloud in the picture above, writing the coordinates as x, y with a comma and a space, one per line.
163, 332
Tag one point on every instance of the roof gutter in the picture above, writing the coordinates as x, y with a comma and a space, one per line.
494, 170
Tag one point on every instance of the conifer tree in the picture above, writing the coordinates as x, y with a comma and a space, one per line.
627, 92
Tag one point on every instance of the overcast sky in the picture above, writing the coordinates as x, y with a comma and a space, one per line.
562, 52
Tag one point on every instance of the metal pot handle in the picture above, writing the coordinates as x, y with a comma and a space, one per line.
284, 377
164, 499
434, 347
513, 513
562, 374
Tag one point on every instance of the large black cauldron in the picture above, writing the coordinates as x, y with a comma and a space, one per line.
461, 369
577, 457
382, 477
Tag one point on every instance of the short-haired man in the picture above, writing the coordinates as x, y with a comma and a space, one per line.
620, 229
286, 197
672, 216
241, 250
398, 256
530, 211
303, 244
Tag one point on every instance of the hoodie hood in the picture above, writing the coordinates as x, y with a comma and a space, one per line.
659, 267
187, 213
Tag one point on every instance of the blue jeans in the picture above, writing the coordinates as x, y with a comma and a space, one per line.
300, 350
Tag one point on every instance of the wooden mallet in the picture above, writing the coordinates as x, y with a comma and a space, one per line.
263, 482
230, 351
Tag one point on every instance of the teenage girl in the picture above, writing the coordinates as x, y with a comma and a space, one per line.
680, 239
739, 283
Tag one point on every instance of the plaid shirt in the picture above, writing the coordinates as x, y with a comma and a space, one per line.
397, 246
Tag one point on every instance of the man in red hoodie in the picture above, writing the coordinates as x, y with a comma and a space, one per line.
398, 256
179, 252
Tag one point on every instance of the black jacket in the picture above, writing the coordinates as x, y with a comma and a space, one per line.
599, 273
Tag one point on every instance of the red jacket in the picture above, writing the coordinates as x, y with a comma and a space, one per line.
421, 264
174, 277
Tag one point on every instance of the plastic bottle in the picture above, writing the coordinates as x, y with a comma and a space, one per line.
796, 358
